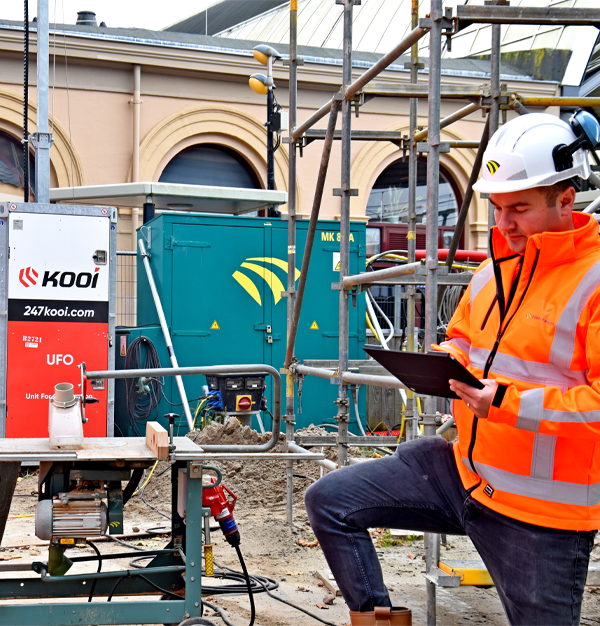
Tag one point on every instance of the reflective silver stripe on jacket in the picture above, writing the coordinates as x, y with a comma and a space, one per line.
563, 345
528, 371
538, 487
458, 342
532, 412
480, 280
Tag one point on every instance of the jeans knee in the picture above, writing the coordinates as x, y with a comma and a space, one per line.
320, 502
312, 500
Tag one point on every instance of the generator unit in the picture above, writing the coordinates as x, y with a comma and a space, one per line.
60, 264
222, 283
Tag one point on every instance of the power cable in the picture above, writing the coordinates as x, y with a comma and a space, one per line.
219, 610
125, 544
98, 571
165, 592
26, 103
152, 506
260, 579
141, 354
247, 578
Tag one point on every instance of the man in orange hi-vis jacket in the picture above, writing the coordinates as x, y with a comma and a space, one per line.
523, 478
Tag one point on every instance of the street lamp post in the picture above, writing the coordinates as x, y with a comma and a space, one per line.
264, 85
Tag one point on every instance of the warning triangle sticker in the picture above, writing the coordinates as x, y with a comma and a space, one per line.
314, 326
215, 326
337, 267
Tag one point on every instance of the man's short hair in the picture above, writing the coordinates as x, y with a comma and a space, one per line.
552, 192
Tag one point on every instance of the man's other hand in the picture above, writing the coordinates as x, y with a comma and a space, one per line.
477, 400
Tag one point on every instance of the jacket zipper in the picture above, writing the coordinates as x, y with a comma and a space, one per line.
487, 315
503, 311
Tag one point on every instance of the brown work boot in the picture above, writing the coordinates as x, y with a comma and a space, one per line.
382, 616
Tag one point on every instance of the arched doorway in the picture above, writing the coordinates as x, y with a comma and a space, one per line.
210, 164
387, 229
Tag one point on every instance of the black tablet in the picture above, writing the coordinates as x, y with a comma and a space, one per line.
426, 374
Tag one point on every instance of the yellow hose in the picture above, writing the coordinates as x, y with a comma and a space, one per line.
371, 327
147, 479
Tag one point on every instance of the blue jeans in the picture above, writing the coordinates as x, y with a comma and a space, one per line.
539, 572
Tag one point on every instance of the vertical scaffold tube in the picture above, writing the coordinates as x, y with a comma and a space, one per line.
494, 114
291, 282
410, 412
431, 287
165, 330
343, 400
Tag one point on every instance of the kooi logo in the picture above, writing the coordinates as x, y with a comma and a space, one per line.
266, 274
27, 276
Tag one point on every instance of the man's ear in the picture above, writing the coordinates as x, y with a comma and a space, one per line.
566, 201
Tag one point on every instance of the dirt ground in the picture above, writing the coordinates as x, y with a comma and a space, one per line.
272, 548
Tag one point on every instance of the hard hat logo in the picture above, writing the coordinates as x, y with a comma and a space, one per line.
493, 167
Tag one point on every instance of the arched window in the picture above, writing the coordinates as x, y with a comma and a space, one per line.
209, 164
388, 201
11, 168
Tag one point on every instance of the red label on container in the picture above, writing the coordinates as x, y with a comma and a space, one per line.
43, 354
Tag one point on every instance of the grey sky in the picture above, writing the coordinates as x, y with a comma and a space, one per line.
152, 14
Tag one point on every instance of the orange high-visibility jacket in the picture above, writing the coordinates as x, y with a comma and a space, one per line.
532, 322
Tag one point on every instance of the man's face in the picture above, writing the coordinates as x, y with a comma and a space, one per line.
521, 214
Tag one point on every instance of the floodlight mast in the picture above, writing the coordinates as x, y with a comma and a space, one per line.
264, 85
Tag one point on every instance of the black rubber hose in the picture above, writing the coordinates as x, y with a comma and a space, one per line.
136, 477
26, 104
260, 580
99, 569
250, 593
153, 585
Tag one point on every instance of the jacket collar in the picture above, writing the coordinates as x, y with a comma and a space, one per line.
555, 248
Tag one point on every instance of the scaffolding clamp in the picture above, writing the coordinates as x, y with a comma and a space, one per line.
423, 146
439, 578
430, 419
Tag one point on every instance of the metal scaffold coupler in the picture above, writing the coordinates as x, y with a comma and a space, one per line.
430, 419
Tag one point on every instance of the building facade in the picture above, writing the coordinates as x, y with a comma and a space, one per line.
195, 115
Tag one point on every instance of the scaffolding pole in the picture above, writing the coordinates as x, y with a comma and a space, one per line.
410, 414
350, 90
312, 228
431, 255
343, 401
291, 281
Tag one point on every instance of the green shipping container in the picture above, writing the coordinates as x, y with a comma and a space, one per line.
220, 280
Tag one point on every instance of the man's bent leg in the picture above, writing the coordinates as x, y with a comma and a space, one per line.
539, 572
418, 488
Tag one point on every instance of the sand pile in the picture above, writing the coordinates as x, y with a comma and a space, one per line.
256, 482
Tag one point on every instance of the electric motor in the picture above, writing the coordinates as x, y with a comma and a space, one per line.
68, 519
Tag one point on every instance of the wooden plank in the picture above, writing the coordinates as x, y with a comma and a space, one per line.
157, 439
374, 412
388, 406
330, 584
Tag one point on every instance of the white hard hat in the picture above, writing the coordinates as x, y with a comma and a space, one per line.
520, 155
